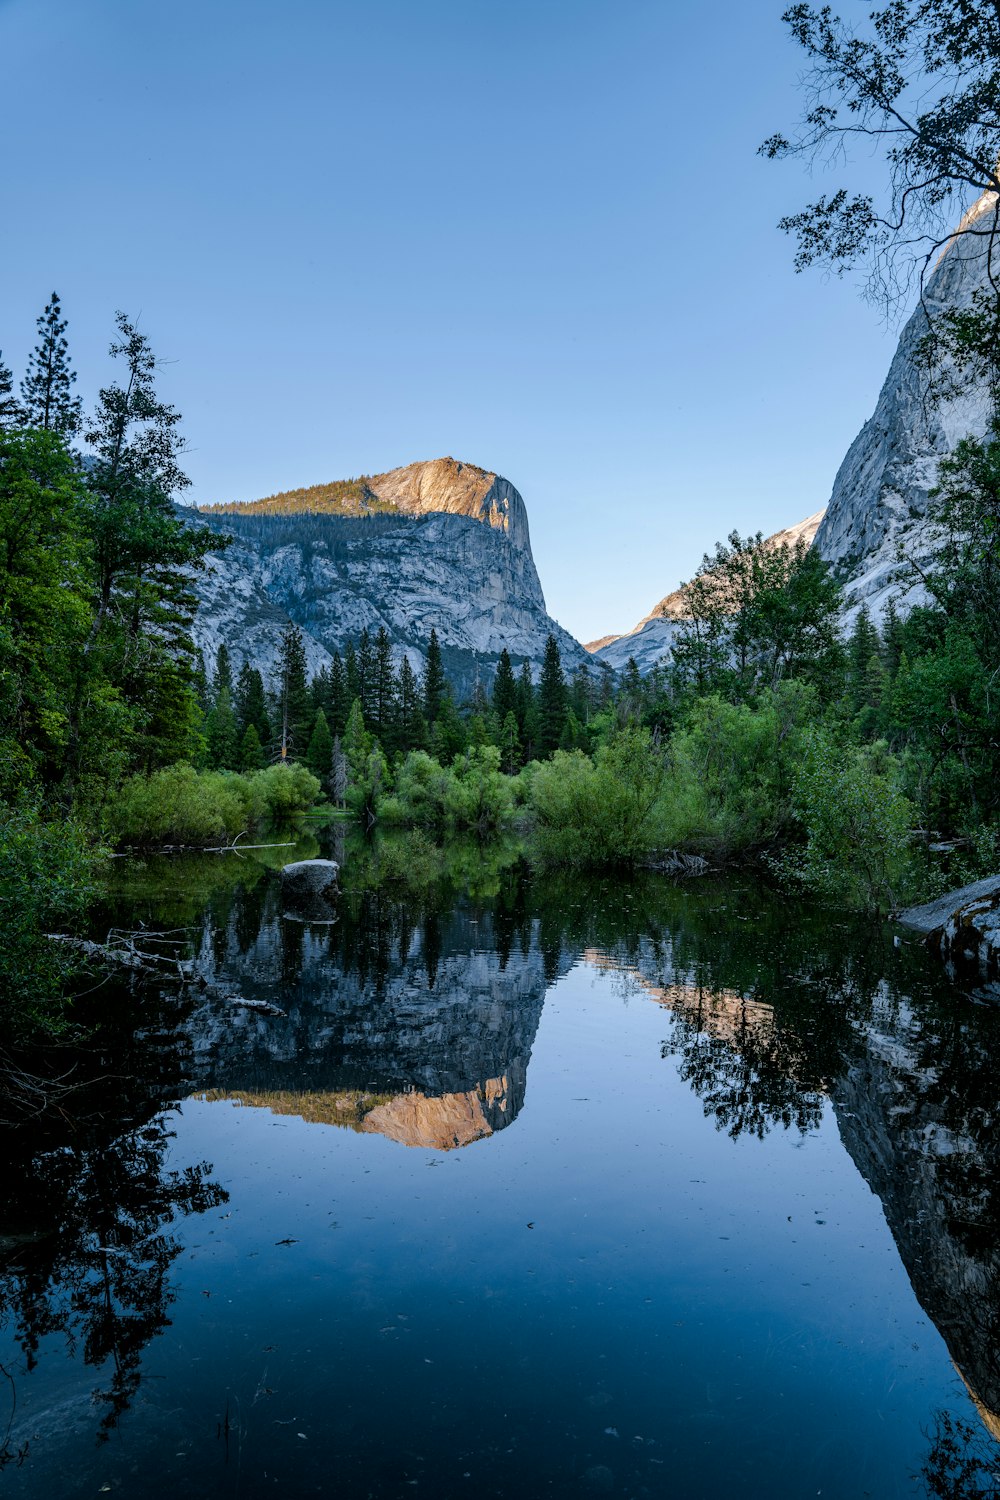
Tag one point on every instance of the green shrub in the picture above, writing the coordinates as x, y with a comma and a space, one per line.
856, 823
180, 805
47, 876
601, 811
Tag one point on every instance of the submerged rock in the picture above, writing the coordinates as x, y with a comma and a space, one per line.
963, 925
309, 889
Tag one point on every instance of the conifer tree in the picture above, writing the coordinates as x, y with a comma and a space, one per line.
384, 701
250, 704
339, 705
223, 671
320, 752
504, 687
11, 412
510, 745
435, 683
47, 388
551, 698
352, 679
220, 731
366, 676
251, 755
527, 712
293, 695
357, 744
412, 724
582, 693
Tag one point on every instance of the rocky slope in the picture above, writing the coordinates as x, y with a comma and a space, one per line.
880, 494
650, 641
440, 544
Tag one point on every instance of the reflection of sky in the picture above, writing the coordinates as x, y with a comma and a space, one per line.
610, 1284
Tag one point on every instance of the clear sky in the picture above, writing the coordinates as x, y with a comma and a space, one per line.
534, 235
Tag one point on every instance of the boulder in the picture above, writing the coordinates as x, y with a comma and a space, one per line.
963, 926
309, 888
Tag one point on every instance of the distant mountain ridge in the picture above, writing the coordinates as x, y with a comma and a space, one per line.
439, 544
650, 640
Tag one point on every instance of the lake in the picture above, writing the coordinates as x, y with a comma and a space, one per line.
533, 1186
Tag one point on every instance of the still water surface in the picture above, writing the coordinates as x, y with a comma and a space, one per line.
538, 1187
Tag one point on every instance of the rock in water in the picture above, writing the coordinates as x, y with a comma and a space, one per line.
309, 888
964, 925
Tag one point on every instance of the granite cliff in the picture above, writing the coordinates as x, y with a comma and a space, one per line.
441, 545
880, 495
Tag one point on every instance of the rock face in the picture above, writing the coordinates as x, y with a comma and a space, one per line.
651, 640
440, 544
964, 926
881, 491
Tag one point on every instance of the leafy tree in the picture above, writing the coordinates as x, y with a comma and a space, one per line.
916, 84
435, 683
551, 698
504, 688
47, 388
320, 752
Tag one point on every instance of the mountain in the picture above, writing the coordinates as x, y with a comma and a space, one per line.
650, 640
441, 544
880, 495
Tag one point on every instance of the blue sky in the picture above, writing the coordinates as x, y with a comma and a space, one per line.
535, 236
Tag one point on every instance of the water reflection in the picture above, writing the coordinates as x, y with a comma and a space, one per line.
414, 1017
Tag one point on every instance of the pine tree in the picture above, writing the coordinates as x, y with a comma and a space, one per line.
357, 742
352, 679
412, 724
504, 687
435, 683
11, 411
582, 693
220, 731
449, 735
527, 712
46, 389
339, 706
293, 695
320, 752
223, 671
251, 755
385, 707
510, 745
573, 736
366, 676
250, 703
551, 698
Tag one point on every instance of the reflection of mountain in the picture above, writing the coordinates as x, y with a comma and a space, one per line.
915, 1096
417, 1030
923, 1138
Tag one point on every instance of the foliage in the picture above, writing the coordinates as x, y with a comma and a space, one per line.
856, 823
48, 870
601, 811
179, 805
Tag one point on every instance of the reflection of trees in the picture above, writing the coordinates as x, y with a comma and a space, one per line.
961, 1463
92, 1250
753, 1076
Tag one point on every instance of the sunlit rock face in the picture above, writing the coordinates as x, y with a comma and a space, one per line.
880, 495
441, 545
422, 1035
